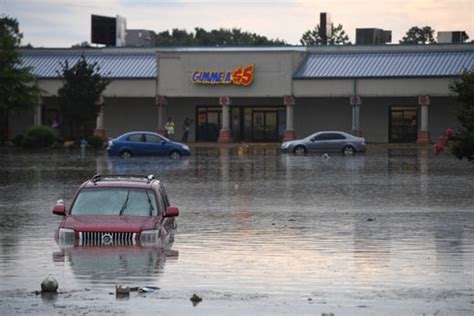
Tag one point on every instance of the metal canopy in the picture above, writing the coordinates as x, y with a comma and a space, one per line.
335, 65
114, 66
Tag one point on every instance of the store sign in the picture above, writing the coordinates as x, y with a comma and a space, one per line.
423, 100
241, 76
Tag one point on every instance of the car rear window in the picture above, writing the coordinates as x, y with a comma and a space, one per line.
115, 201
153, 138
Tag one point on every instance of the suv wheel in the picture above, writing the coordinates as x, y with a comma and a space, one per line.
125, 154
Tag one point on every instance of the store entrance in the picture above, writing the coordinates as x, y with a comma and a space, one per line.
264, 126
247, 123
403, 124
209, 124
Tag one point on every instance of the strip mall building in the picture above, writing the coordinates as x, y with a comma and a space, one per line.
389, 93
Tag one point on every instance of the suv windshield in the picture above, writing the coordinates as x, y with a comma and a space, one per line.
115, 201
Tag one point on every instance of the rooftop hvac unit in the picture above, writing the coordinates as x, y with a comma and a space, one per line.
372, 36
452, 37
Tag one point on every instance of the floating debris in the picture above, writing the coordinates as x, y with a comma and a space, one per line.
325, 156
370, 219
148, 289
49, 285
122, 291
195, 299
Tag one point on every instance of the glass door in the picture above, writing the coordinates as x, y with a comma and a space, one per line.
264, 126
403, 125
209, 124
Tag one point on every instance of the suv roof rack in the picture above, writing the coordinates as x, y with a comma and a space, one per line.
129, 177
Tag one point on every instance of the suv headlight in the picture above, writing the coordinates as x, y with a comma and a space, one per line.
185, 147
285, 145
66, 236
149, 236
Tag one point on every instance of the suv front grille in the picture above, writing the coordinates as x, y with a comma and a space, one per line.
106, 238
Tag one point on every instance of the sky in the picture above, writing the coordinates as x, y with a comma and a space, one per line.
62, 23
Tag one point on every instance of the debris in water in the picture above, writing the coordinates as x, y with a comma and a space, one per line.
49, 285
370, 219
327, 314
196, 299
122, 291
325, 156
148, 289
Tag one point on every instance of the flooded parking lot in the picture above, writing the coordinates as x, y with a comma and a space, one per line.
386, 232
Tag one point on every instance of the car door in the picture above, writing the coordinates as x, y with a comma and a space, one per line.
156, 145
335, 141
136, 143
318, 143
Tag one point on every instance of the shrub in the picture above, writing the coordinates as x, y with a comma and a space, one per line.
17, 141
96, 141
39, 136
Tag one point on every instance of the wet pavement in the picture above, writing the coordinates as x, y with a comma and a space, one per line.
390, 231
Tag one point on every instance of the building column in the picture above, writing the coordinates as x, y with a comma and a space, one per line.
161, 102
356, 102
289, 134
99, 126
423, 133
224, 133
37, 117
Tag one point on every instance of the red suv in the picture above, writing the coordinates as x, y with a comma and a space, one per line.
118, 210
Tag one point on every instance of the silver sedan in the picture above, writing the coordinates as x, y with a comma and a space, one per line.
327, 141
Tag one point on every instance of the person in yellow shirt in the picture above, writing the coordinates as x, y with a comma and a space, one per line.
169, 127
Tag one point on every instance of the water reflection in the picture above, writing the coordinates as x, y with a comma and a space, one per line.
141, 165
115, 264
257, 227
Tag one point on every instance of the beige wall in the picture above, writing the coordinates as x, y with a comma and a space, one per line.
117, 88
130, 114
272, 75
372, 87
315, 114
322, 88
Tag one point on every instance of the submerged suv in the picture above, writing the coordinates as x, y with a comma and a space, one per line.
118, 210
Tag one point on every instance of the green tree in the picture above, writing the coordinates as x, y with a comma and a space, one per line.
84, 44
82, 87
419, 35
218, 37
19, 91
461, 141
313, 37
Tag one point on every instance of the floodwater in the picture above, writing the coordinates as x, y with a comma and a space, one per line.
390, 232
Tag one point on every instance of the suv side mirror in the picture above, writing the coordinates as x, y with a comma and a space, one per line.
59, 208
171, 212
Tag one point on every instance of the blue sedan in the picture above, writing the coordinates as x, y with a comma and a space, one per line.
145, 143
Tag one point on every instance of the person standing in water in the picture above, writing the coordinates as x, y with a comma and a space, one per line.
186, 126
